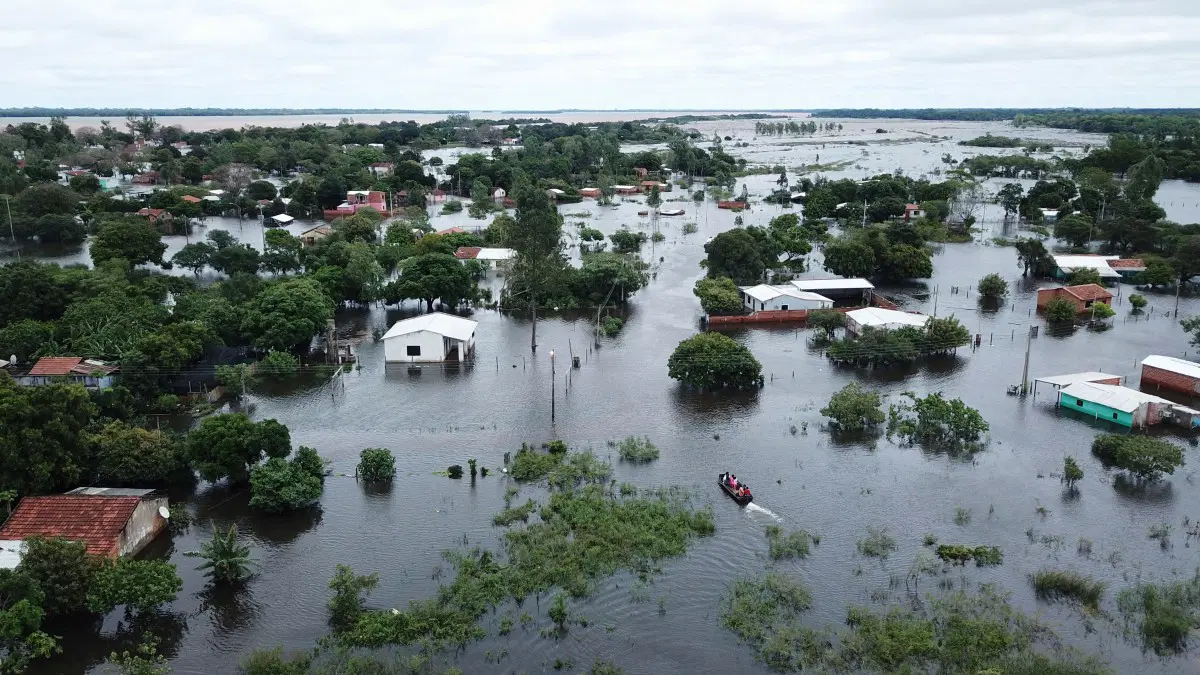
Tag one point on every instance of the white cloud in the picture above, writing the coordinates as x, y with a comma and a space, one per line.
545, 54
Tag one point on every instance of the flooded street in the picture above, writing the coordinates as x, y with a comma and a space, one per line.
774, 440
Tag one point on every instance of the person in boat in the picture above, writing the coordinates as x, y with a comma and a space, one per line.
733, 481
724, 477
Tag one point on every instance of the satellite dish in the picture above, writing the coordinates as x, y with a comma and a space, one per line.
164, 512
13, 359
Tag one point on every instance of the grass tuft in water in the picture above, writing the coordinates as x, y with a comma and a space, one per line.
959, 554
514, 514
637, 450
877, 544
1066, 585
791, 545
962, 516
1162, 615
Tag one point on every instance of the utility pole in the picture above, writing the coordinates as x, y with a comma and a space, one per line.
13, 236
1178, 287
553, 386
1025, 371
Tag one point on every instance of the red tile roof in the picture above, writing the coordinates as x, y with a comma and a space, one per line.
451, 230
467, 252
1126, 262
95, 520
153, 213
51, 366
1089, 292
191, 199
912, 207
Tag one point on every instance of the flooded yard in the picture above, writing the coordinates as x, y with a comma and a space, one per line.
775, 440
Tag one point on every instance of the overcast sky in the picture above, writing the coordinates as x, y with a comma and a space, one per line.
600, 54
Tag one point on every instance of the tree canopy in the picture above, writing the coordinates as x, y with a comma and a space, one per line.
713, 361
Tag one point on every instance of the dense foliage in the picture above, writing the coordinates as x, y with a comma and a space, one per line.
714, 361
937, 423
1144, 457
854, 409
376, 465
719, 296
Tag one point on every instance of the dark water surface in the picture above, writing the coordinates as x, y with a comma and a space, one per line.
439, 416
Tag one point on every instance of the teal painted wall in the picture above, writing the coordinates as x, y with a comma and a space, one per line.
1096, 410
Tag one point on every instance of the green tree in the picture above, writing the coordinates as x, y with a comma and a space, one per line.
349, 596
235, 259
537, 239
654, 200
144, 660
24, 339
937, 423
1084, 275
826, 320
1101, 310
943, 334
226, 446
627, 241
1157, 273
307, 460
287, 314
1072, 474
607, 191
261, 189
226, 561
363, 281
129, 238
993, 286
791, 239
714, 361
195, 257
133, 456
735, 254
1145, 457
45, 199
481, 199
1060, 310
60, 229
906, 262
278, 485
43, 444
141, 585
854, 409
849, 258
1137, 301
282, 254
431, 277
718, 296
276, 365
1074, 229
1009, 197
376, 465
1034, 257
21, 636
63, 571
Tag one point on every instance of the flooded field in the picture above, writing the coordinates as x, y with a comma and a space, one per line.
774, 440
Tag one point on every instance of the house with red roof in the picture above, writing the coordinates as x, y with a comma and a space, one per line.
95, 375
155, 215
111, 522
913, 212
191, 199
1082, 296
381, 169
358, 199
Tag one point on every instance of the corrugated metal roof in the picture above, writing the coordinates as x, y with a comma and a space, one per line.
112, 491
1110, 395
1173, 365
832, 284
878, 316
1099, 263
11, 551
1064, 380
441, 323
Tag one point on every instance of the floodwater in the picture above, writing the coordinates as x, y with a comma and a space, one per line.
774, 440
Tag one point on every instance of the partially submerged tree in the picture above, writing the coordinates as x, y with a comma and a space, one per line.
854, 409
1084, 275
993, 286
226, 446
225, 560
376, 465
537, 239
1071, 472
1033, 257
349, 596
1144, 457
714, 361
718, 296
1060, 310
937, 423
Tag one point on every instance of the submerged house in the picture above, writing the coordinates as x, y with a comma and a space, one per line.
846, 291
882, 319
111, 522
1119, 405
1167, 372
430, 338
1082, 296
1109, 267
763, 297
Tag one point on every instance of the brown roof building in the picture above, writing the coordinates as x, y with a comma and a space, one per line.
111, 522
1082, 296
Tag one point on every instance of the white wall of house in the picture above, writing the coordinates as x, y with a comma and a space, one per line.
143, 526
785, 302
420, 347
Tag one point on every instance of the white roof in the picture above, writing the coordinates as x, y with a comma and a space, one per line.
282, 218
216, 192
624, 187
496, 254
1173, 364
764, 293
878, 316
358, 192
211, 198
11, 551
1111, 396
441, 323
831, 284
1064, 380
1099, 263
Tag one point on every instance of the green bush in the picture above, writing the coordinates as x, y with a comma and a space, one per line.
1163, 613
278, 485
376, 464
993, 286
1060, 310
852, 409
637, 450
611, 325
714, 361
1062, 584
349, 596
1137, 301
791, 545
1147, 458
454, 471
718, 296
877, 544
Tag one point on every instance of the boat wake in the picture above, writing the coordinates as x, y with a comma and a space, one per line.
755, 508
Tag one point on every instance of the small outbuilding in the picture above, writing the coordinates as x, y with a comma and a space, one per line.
883, 319
763, 297
1058, 382
280, 220
848, 291
311, 236
111, 522
430, 338
1167, 372
1119, 405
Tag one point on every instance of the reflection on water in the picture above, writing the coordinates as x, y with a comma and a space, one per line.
833, 486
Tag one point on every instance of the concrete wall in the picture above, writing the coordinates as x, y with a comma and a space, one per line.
790, 302
143, 526
433, 348
1095, 410
1169, 380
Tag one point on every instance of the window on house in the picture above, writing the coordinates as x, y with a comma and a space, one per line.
783, 307
1078, 401
414, 350
1114, 416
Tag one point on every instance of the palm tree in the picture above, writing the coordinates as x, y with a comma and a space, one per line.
225, 560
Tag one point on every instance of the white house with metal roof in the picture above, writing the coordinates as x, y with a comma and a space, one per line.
430, 338
884, 319
763, 297
1065, 264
